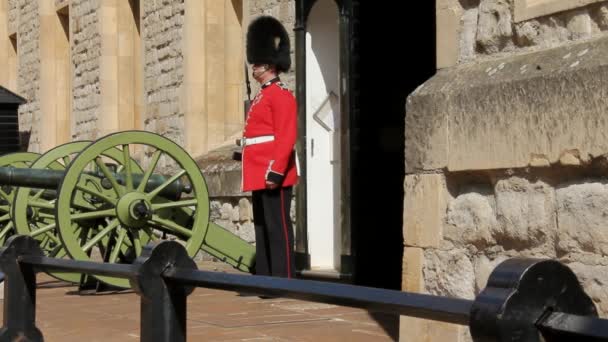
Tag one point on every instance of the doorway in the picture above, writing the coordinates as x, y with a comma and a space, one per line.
323, 136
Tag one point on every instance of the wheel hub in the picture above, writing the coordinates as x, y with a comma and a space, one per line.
134, 210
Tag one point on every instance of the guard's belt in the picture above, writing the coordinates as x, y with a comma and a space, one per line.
256, 140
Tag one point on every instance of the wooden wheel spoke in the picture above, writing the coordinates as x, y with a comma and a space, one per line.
5, 217
46, 216
4, 195
93, 214
44, 229
136, 243
119, 242
37, 195
66, 161
95, 239
96, 194
172, 226
106, 172
144, 180
41, 204
150, 233
177, 204
161, 187
58, 252
6, 229
51, 236
127, 164
5, 208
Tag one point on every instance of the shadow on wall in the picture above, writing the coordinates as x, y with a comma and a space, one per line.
24, 140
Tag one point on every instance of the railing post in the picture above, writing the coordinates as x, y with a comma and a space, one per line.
520, 294
19, 319
163, 303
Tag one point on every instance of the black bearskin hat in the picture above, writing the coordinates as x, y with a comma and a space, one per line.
268, 43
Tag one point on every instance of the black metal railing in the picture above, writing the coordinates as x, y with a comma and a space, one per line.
525, 299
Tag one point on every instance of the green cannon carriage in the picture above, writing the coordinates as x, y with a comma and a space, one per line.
90, 200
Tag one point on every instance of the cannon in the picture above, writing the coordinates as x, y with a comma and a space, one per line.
89, 200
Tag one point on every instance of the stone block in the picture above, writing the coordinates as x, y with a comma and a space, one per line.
526, 215
483, 268
424, 209
449, 273
594, 279
581, 212
448, 33
412, 281
504, 111
471, 219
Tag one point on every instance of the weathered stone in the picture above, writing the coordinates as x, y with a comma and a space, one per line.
226, 211
569, 158
449, 273
581, 213
245, 210
595, 282
526, 214
494, 28
235, 215
470, 220
539, 161
580, 24
449, 13
424, 209
246, 231
506, 110
215, 210
601, 17
412, 280
483, 269
468, 34
526, 34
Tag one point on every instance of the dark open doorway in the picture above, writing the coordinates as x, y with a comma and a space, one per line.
397, 54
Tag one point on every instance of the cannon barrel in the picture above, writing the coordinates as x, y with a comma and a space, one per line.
50, 180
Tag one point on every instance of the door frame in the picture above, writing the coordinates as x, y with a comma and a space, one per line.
348, 96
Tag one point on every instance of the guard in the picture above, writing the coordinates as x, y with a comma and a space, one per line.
268, 156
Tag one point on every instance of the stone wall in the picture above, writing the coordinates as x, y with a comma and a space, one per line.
13, 15
507, 157
162, 23
29, 70
86, 54
469, 30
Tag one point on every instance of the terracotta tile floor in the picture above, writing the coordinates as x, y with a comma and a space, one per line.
65, 315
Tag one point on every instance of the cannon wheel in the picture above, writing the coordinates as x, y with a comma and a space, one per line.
138, 211
7, 194
33, 215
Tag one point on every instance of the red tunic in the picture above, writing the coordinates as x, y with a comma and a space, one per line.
272, 113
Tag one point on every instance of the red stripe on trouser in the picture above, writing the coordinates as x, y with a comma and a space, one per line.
286, 235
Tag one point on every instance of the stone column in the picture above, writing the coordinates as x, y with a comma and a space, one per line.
63, 77
234, 68
216, 64
4, 42
193, 97
108, 120
48, 76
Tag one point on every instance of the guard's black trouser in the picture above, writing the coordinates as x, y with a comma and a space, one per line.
273, 233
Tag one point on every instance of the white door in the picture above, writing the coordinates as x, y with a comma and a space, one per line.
322, 136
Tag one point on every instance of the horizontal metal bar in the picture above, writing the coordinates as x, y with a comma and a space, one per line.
75, 266
450, 310
581, 327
